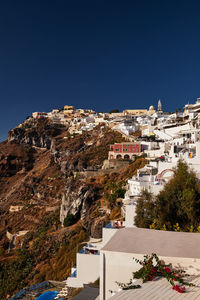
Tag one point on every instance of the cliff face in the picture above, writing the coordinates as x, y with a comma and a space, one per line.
81, 200
38, 133
15, 158
40, 162
41, 184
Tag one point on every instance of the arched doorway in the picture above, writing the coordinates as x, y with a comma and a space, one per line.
126, 156
118, 156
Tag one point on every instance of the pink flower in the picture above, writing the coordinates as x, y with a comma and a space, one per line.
168, 270
150, 278
179, 289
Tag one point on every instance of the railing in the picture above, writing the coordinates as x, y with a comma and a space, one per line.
115, 224
30, 289
88, 250
38, 285
109, 225
18, 295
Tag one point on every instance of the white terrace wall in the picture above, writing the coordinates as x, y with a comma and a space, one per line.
118, 266
87, 270
130, 215
107, 234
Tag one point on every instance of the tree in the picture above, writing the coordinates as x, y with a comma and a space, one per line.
144, 210
113, 111
176, 207
179, 202
70, 219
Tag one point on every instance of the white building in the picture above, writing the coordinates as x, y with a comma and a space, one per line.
57, 117
39, 115
181, 249
192, 110
127, 126
190, 153
87, 268
146, 179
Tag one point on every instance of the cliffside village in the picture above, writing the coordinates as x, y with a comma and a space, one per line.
163, 139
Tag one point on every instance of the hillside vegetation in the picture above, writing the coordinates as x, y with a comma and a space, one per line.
177, 206
38, 165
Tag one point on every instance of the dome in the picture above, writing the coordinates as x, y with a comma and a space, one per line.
151, 107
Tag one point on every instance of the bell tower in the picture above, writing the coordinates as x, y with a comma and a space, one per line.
159, 106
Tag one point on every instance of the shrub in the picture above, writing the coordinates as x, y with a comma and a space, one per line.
70, 219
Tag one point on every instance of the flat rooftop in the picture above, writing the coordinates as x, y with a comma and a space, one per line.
159, 290
148, 241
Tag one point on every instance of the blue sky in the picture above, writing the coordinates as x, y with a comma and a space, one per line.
96, 54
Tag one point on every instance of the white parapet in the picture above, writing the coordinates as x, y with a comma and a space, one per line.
130, 214
87, 270
107, 234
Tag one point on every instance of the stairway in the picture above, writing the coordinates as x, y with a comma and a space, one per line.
62, 293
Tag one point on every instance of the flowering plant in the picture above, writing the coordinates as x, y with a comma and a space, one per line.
152, 267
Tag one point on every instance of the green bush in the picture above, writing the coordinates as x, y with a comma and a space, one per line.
178, 203
70, 219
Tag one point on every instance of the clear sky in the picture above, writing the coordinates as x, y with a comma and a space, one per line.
97, 54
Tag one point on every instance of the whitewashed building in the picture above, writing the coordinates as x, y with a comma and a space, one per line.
181, 249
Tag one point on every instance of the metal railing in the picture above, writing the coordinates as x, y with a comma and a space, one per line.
30, 289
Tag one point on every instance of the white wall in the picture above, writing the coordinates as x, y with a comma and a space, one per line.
173, 131
107, 233
154, 153
119, 267
166, 165
87, 270
156, 189
163, 135
130, 215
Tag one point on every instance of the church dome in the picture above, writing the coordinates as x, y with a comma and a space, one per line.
151, 107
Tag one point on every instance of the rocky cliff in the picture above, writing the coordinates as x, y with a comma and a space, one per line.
35, 132
41, 185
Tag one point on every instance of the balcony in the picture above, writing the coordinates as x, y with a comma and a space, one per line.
89, 249
115, 224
